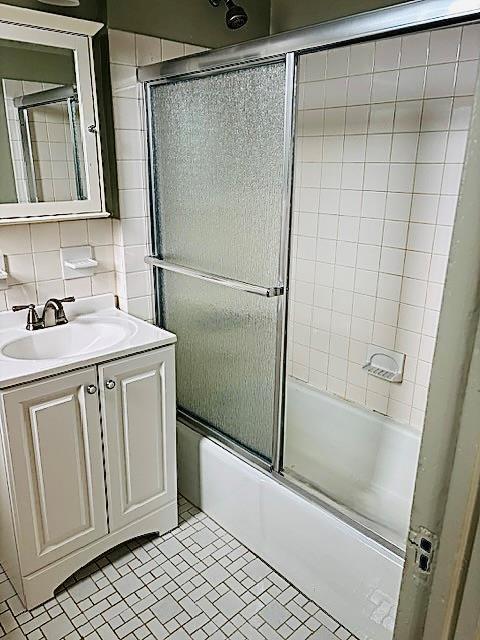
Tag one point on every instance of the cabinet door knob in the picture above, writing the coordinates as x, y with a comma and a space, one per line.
110, 384
91, 389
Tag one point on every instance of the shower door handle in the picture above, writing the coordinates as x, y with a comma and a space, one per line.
267, 292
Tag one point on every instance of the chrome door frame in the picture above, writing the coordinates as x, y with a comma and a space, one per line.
279, 290
398, 19
418, 15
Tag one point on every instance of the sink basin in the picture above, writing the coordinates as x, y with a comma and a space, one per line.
79, 337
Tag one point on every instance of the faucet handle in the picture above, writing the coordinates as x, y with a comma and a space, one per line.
33, 321
67, 299
21, 307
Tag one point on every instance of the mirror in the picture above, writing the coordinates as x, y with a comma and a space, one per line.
41, 143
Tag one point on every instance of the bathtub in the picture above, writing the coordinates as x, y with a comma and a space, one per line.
352, 576
360, 459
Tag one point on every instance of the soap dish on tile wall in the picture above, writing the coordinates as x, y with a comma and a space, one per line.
384, 363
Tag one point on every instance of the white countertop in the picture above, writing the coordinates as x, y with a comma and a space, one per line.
136, 335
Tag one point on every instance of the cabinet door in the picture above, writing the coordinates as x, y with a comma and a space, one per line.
54, 448
138, 413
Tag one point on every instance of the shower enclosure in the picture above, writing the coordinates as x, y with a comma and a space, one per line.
303, 191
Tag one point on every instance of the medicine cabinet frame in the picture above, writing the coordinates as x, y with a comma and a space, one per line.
36, 27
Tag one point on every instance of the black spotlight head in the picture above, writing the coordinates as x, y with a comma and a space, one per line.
236, 16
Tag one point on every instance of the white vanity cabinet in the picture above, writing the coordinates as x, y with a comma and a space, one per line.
88, 462
135, 397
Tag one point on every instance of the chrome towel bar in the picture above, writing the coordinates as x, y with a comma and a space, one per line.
267, 292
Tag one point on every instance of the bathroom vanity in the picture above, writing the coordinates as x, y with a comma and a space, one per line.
87, 460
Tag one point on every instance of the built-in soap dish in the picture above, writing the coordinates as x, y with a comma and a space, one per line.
78, 262
384, 363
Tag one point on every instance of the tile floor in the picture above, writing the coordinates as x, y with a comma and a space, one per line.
196, 582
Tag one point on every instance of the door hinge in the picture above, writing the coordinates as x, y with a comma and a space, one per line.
425, 545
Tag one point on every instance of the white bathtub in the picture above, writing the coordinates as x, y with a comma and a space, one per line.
361, 459
352, 577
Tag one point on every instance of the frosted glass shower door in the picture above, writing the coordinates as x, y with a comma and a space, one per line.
218, 181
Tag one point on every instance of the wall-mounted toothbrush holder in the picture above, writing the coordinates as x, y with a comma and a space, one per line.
384, 363
78, 262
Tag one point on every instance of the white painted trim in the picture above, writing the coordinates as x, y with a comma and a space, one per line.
54, 217
83, 56
447, 486
45, 20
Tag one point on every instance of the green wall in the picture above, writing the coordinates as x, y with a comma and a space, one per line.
286, 14
8, 192
88, 9
192, 21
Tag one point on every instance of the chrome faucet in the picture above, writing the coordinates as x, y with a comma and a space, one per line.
53, 305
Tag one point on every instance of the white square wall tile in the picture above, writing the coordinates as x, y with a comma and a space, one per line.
15, 239
172, 49
398, 206
124, 81
130, 144
386, 311
371, 230
414, 50
432, 146
73, 233
428, 178
361, 58
20, 269
314, 97
411, 83
466, 77
378, 147
404, 147
389, 286
45, 236
376, 176
442, 240
420, 237
381, 117
452, 176
127, 114
47, 265
440, 80
337, 62
414, 292
356, 119
457, 142
408, 116
359, 89
392, 260
417, 265
444, 45
384, 86
131, 174
424, 208
335, 92
122, 47
148, 49
387, 54
99, 232
395, 234
436, 114
470, 43
315, 65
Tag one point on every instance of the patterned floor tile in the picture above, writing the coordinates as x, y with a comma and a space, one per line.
197, 582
